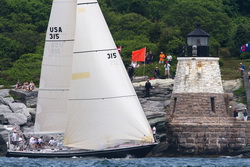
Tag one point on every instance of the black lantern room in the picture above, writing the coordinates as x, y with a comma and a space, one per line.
198, 43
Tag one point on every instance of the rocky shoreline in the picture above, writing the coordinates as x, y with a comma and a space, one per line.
17, 109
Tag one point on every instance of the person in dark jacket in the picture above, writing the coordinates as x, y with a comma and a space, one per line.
156, 73
147, 88
131, 72
245, 114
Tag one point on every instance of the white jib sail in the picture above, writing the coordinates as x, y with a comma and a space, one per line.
104, 109
56, 68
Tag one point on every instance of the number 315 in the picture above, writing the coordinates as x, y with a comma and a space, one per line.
112, 55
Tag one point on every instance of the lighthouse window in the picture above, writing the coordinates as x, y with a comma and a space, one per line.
212, 104
175, 100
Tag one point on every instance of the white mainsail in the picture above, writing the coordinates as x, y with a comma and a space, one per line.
56, 68
103, 107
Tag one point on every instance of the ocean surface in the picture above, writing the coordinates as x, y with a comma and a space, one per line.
126, 162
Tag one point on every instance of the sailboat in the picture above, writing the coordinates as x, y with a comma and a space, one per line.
85, 92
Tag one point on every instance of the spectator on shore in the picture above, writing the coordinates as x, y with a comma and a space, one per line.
147, 88
169, 58
18, 85
131, 72
245, 114
235, 113
31, 86
167, 69
161, 58
242, 68
149, 57
156, 73
248, 73
26, 85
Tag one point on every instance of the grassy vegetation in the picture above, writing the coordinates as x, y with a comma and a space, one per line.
241, 95
229, 70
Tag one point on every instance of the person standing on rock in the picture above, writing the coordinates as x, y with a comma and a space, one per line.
235, 113
245, 114
131, 72
167, 69
147, 88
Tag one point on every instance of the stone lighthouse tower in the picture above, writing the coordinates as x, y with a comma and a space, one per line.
198, 87
197, 121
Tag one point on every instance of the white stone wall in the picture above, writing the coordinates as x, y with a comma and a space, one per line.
198, 75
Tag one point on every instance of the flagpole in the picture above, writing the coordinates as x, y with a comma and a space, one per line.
144, 61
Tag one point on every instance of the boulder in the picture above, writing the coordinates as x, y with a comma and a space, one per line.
140, 78
29, 98
20, 108
6, 100
231, 85
3, 146
154, 106
240, 107
4, 92
4, 109
32, 112
16, 118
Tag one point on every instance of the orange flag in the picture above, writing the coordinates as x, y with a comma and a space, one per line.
139, 55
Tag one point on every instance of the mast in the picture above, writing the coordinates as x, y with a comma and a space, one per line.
56, 68
104, 109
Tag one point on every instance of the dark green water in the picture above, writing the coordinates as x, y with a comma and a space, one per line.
127, 162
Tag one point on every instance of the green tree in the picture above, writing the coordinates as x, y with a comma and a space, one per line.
8, 52
240, 37
184, 14
130, 25
244, 6
27, 68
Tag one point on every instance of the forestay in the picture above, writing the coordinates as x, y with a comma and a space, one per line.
103, 107
56, 68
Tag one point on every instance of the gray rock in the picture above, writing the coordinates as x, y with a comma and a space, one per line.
32, 112
29, 98
4, 92
240, 107
16, 118
20, 108
140, 78
5, 109
3, 146
1, 100
28, 129
154, 106
6, 100
231, 85
155, 121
